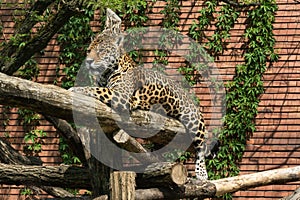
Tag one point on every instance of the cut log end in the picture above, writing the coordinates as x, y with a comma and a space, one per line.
179, 174
162, 174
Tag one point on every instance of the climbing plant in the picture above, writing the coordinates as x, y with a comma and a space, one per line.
169, 38
244, 90
134, 18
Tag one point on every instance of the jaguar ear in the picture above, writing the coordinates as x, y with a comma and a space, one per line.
113, 22
120, 40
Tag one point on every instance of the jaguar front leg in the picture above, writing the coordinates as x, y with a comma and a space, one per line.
113, 99
105, 95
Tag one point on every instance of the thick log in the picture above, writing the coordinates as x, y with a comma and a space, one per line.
200, 191
8, 155
162, 174
270, 177
58, 176
122, 185
57, 102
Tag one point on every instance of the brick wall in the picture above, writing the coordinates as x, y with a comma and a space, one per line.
275, 144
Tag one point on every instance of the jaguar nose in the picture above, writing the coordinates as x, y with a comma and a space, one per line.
89, 61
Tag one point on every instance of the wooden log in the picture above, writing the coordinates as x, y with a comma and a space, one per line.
243, 182
130, 144
122, 185
57, 176
162, 174
57, 192
200, 191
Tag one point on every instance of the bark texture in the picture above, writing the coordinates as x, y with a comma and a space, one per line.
270, 177
57, 176
122, 185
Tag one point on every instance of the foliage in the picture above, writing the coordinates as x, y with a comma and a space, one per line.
30, 70
169, 38
134, 16
33, 137
26, 192
116, 5
177, 154
73, 39
66, 153
34, 141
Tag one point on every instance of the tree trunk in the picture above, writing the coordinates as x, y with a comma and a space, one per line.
122, 186
99, 177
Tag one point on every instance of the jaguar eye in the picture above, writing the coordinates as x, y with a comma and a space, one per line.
115, 67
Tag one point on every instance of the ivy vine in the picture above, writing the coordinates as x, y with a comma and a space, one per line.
170, 37
134, 17
244, 90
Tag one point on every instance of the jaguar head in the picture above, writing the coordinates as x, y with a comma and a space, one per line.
106, 48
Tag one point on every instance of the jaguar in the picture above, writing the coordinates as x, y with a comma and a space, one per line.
123, 85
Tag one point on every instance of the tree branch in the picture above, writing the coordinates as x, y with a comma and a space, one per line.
16, 57
9, 155
70, 136
24, 27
